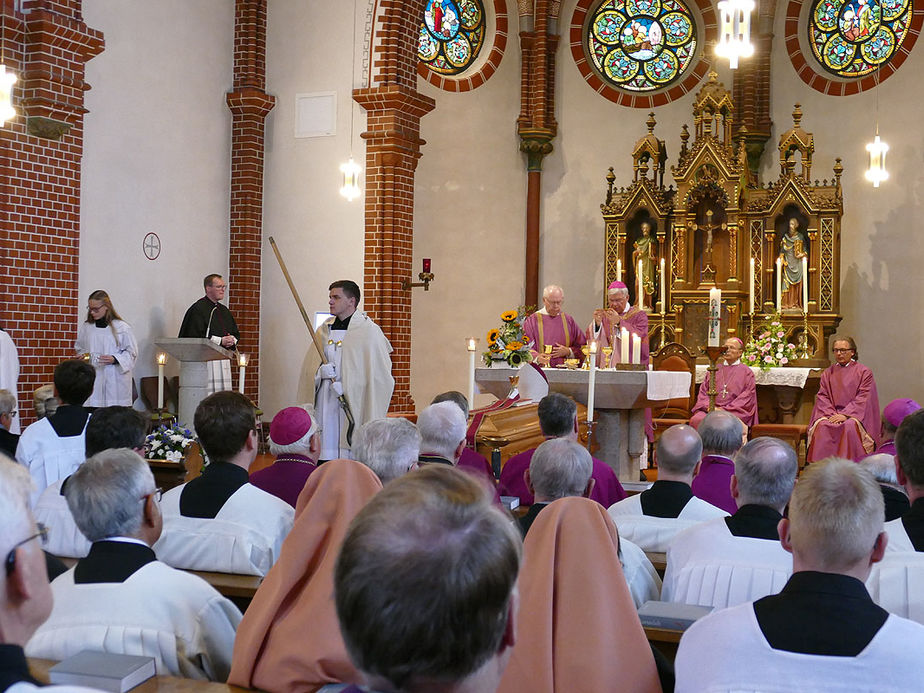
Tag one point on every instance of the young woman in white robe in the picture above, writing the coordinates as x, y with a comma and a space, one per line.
109, 344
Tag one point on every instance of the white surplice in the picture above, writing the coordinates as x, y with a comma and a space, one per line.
47, 456
9, 373
175, 617
245, 537
64, 537
113, 384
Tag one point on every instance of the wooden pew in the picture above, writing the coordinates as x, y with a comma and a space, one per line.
665, 640
658, 560
158, 684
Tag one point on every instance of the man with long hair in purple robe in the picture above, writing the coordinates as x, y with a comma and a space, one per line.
845, 420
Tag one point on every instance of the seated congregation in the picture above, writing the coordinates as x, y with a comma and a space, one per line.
400, 570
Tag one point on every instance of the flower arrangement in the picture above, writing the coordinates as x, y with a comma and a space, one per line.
507, 342
769, 348
168, 443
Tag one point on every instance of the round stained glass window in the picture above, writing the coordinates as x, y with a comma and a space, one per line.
852, 38
641, 45
451, 35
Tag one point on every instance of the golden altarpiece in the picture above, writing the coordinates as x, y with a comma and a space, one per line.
715, 222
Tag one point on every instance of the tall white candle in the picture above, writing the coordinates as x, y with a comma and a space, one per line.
592, 380
663, 287
715, 316
779, 284
242, 362
638, 276
636, 348
751, 286
161, 360
618, 270
805, 284
623, 345
471, 345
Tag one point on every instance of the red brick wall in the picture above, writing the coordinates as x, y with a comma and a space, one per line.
394, 108
40, 185
249, 104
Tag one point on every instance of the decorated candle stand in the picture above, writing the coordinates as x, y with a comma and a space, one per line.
713, 353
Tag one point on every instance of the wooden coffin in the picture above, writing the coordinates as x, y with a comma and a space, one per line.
516, 430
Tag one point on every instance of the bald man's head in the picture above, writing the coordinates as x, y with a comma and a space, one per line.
679, 451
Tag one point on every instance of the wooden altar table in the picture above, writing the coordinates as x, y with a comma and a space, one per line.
621, 398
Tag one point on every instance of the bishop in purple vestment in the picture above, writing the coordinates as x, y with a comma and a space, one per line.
845, 420
892, 417
553, 328
736, 391
295, 440
607, 324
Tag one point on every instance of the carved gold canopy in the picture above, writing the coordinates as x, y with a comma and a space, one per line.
716, 218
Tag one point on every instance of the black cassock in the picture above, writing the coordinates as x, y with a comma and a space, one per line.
207, 319
201, 321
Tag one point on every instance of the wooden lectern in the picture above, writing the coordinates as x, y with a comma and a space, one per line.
193, 353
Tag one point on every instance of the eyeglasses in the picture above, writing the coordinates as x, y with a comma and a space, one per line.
841, 351
11, 556
219, 286
158, 493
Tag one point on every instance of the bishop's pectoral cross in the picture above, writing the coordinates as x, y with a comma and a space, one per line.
709, 228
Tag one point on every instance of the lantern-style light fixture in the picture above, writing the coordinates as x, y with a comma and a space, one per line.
876, 171
735, 34
350, 170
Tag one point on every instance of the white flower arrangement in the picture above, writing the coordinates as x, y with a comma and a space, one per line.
770, 348
168, 443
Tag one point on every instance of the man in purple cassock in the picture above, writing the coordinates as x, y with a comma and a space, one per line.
722, 436
736, 391
558, 419
295, 442
892, 417
606, 329
554, 334
607, 324
845, 420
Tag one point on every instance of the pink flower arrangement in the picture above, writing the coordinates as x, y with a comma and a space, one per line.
770, 348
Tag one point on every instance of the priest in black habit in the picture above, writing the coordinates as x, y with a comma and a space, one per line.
212, 320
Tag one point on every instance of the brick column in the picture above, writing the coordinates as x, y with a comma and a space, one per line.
249, 104
47, 44
536, 124
394, 109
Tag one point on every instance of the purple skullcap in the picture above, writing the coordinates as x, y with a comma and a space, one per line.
896, 410
616, 285
291, 425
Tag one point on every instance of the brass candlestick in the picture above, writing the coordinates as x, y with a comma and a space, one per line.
804, 354
713, 353
663, 341
590, 433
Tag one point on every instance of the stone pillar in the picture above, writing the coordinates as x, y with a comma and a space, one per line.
249, 104
47, 44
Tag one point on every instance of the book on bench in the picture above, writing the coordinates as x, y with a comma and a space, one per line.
103, 670
671, 616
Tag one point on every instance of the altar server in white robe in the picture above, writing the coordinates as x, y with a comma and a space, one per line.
9, 374
219, 520
737, 559
358, 367
108, 344
109, 428
27, 599
53, 447
652, 518
120, 598
822, 632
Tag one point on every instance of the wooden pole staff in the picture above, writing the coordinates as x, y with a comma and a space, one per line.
314, 337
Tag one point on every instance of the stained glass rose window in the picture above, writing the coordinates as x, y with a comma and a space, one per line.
451, 35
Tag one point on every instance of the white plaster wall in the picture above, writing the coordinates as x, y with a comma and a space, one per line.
319, 233
470, 219
156, 158
881, 255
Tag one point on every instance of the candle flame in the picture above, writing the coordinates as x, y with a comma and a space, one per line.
242, 360
161, 359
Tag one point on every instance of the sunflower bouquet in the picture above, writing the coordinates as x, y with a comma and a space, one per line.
508, 342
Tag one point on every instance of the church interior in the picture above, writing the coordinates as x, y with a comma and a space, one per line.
501, 174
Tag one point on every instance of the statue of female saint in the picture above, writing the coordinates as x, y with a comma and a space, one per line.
644, 252
792, 250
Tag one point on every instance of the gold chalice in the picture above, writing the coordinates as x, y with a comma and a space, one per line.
586, 351
607, 356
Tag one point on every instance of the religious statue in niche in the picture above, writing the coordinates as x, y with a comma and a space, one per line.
644, 257
708, 237
793, 247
